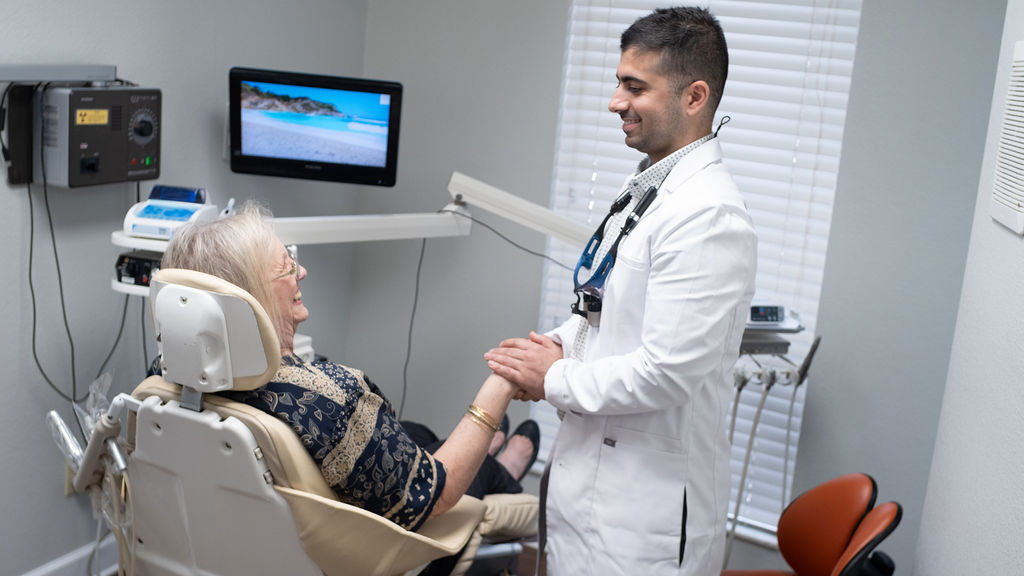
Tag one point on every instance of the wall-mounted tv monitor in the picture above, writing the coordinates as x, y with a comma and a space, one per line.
296, 125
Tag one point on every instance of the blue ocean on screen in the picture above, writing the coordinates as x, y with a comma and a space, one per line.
335, 123
314, 137
314, 124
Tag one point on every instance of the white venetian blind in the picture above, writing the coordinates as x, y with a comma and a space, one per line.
789, 75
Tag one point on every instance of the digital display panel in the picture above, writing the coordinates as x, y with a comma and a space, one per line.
167, 212
92, 117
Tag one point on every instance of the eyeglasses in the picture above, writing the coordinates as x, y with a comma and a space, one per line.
293, 254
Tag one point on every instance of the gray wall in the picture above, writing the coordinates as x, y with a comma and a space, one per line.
911, 160
973, 521
185, 49
482, 98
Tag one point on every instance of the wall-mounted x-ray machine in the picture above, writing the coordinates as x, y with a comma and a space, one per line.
79, 125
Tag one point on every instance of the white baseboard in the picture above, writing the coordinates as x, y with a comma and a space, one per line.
76, 562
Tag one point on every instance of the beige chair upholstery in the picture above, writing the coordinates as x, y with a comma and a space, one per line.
339, 538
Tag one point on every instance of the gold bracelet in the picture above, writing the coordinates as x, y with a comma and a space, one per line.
482, 424
483, 416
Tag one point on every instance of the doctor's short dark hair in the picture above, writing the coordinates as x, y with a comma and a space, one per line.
691, 43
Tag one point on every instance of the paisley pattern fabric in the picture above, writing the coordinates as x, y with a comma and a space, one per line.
353, 434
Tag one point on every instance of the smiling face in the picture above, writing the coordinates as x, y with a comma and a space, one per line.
286, 274
656, 119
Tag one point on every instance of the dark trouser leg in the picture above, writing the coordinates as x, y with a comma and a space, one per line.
420, 434
491, 478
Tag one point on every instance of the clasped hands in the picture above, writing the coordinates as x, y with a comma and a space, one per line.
524, 362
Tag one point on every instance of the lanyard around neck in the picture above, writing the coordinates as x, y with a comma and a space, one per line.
586, 260
589, 292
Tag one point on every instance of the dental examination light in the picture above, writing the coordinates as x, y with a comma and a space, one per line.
464, 191
533, 216
359, 228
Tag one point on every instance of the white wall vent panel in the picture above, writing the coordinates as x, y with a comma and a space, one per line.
1008, 189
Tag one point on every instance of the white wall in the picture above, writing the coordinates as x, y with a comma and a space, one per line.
973, 520
185, 49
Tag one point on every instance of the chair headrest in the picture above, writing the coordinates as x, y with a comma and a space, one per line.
212, 335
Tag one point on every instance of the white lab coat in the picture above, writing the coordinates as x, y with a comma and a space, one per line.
640, 468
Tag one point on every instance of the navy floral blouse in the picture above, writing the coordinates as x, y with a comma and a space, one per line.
353, 434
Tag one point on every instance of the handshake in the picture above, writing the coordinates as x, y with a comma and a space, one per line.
524, 362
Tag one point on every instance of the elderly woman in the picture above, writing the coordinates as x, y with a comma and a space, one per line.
349, 428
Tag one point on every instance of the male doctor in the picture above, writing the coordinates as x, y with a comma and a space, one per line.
641, 374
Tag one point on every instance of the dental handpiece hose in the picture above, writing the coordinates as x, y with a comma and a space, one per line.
103, 435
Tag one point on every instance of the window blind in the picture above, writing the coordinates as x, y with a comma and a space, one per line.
785, 99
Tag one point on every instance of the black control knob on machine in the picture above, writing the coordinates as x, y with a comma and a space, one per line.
143, 128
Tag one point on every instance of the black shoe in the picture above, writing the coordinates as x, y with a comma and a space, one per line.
531, 430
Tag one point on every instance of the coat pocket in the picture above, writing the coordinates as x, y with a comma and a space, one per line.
640, 497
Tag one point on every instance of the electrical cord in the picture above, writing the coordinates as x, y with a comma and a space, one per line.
124, 315
507, 239
120, 331
53, 243
60, 287
3, 121
32, 293
60, 282
412, 317
145, 352
31, 251
416, 292
142, 310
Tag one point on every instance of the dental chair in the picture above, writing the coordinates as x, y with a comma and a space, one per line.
213, 486
833, 530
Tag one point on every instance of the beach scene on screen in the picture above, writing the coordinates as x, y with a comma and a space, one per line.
314, 124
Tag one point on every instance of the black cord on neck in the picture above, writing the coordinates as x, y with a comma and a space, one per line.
725, 120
